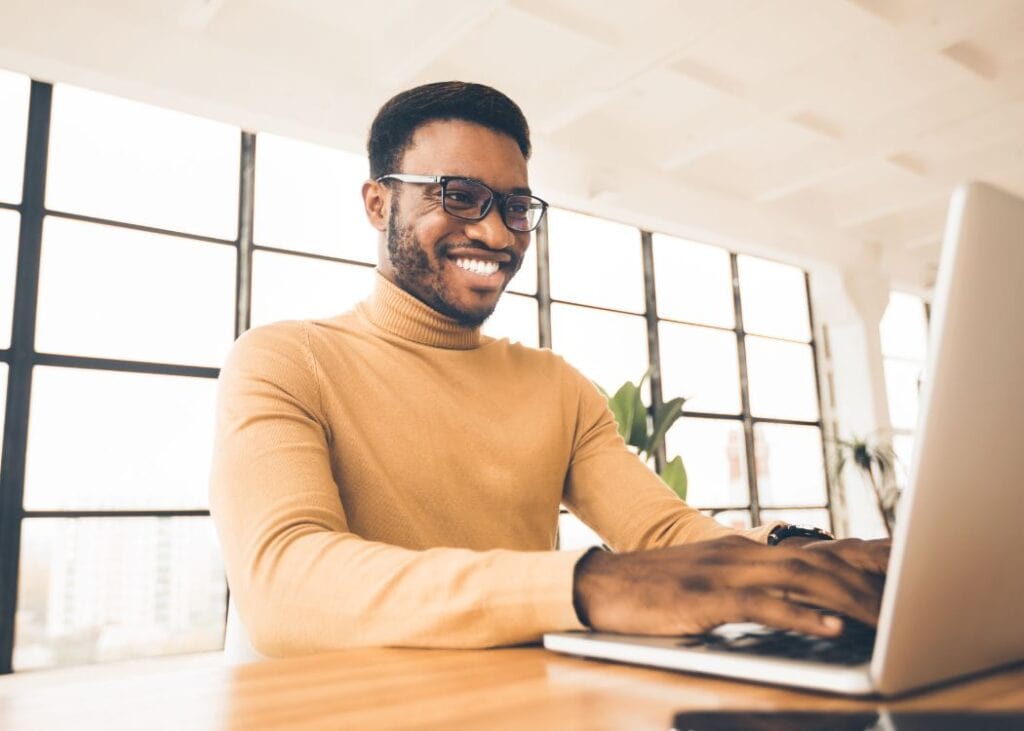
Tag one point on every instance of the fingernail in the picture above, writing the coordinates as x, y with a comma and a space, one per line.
832, 622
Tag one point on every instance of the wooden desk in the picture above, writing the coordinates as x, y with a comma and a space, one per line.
520, 688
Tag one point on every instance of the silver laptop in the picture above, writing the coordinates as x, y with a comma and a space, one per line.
954, 598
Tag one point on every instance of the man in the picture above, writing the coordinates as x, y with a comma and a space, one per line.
392, 477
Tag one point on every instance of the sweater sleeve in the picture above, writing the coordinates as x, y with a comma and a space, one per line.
611, 489
302, 581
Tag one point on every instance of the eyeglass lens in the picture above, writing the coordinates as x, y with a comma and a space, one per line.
471, 200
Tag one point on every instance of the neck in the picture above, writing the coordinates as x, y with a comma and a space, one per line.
400, 313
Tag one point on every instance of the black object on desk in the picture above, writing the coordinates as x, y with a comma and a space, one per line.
847, 721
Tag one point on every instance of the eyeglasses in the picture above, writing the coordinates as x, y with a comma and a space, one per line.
471, 200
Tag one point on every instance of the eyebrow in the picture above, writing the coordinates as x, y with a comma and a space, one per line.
511, 191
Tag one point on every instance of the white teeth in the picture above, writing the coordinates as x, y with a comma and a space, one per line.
477, 266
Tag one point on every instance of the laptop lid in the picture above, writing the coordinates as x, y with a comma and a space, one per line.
958, 553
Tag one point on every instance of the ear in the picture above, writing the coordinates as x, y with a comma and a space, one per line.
376, 200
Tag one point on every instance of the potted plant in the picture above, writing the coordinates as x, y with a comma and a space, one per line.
875, 460
645, 428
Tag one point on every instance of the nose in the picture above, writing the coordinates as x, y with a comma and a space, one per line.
491, 230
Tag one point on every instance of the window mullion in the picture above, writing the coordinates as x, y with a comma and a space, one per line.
748, 424
19, 383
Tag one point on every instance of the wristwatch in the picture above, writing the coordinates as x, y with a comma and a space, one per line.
781, 532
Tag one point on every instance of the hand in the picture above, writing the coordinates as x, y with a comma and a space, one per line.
691, 589
871, 556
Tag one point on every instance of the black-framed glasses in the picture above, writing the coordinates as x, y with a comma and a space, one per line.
471, 200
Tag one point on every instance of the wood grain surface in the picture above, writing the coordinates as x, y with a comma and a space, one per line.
516, 688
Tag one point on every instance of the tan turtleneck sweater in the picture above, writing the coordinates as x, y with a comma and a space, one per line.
388, 477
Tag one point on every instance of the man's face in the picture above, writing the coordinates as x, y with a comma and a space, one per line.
444, 261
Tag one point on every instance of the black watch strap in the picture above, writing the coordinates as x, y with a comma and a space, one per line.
781, 532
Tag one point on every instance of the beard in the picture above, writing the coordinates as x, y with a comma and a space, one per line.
424, 279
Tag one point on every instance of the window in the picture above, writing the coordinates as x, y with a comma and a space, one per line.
128, 441
515, 318
83, 598
124, 161
141, 258
308, 199
10, 223
290, 287
595, 262
904, 335
752, 454
14, 93
137, 304
181, 293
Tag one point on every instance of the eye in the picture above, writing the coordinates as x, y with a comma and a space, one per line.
458, 196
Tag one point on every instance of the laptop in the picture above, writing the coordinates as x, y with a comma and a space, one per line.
953, 603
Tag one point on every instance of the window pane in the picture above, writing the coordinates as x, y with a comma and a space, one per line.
10, 222
309, 198
781, 379
82, 597
595, 262
790, 466
574, 534
902, 384
14, 92
291, 287
118, 293
904, 330
606, 347
714, 455
108, 440
125, 161
903, 446
525, 280
693, 282
815, 518
774, 298
516, 319
738, 519
701, 365
3, 403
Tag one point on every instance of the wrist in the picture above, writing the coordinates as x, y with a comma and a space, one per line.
582, 574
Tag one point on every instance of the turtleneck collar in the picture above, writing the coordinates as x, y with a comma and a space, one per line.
396, 311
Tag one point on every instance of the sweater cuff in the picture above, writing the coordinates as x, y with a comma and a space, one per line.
555, 594
760, 533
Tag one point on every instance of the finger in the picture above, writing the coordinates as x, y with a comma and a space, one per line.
820, 580
753, 605
868, 555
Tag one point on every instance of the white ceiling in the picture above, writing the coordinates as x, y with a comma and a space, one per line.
822, 132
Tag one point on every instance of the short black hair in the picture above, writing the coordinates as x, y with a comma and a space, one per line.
404, 113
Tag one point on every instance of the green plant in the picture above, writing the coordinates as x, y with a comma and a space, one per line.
639, 429
876, 461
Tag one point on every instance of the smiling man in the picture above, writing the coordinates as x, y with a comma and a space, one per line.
390, 476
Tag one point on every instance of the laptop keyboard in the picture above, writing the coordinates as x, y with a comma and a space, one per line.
852, 647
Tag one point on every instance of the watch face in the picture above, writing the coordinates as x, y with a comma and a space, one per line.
783, 532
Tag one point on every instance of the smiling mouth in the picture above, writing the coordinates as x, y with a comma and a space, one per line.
483, 267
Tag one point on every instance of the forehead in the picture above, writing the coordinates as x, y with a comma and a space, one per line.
456, 147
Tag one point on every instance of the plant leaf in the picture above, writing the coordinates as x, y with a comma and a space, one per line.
623, 404
674, 475
664, 418
638, 429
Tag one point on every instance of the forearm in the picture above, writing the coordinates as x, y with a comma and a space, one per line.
320, 590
